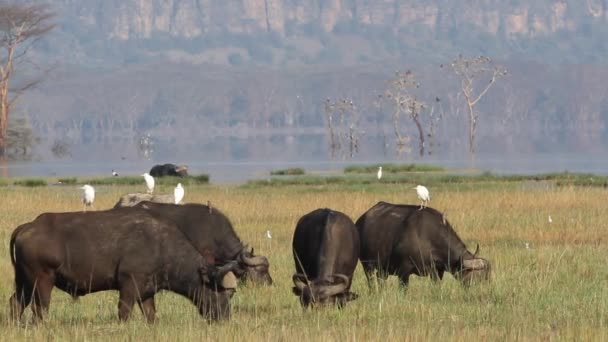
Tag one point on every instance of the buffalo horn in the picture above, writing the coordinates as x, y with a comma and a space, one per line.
340, 282
474, 264
229, 281
299, 280
476, 251
253, 260
222, 272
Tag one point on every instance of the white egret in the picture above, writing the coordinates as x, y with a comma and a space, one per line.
88, 196
114, 173
149, 182
178, 193
550, 219
379, 172
268, 234
423, 195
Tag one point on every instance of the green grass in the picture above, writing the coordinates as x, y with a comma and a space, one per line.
437, 179
393, 168
30, 182
138, 180
556, 290
288, 172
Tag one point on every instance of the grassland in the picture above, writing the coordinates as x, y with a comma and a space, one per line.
555, 290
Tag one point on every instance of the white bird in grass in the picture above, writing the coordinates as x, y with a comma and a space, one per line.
178, 193
268, 234
379, 172
550, 219
149, 182
423, 195
88, 196
114, 173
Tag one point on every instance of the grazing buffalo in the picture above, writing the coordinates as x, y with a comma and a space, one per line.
122, 249
403, 240
325, 251
130, 200
211, 230
169, 170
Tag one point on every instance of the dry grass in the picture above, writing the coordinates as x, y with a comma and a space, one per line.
555, 290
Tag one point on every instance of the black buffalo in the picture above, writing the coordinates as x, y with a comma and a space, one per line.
123, 249
402, 240
168, 170
210, 229
325, 251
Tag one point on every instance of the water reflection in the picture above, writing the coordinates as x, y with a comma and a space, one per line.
234, 160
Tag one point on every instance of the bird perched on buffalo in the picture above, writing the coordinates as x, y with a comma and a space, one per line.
88, 196
423, 195
178, 193
149, 182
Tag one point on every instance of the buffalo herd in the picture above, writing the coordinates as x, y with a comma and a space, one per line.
142, 247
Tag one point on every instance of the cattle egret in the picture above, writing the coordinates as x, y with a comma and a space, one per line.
178, 193
268, 234
379, 172
88, 196
550, 219
423, 195
149, 182
114, 173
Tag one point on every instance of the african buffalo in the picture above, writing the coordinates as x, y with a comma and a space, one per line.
169, 170
211, 230
403, 240
121, 249
325, 251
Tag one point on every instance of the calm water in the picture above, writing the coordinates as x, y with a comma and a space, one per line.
235, 160
238, 171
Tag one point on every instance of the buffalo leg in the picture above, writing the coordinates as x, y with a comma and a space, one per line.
404, 280
18, 301
42, 296
375, 275
125, 302
148, 309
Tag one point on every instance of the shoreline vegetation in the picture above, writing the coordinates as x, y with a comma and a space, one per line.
361, 175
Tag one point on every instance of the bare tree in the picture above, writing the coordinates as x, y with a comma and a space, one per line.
474, 84
20, 26
343, 120
400, 94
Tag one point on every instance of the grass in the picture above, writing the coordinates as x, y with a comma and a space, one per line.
138, 180
484, 179
30, 182
556, 290
288, 172
393, 168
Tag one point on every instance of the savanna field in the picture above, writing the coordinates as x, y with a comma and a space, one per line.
553, 288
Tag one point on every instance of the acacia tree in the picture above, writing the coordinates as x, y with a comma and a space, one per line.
474, 84
20, 26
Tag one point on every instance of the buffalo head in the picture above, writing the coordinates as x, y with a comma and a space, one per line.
322, 292
218, 286
254, 268
474, 269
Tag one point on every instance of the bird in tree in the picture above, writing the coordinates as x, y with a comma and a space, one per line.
423, 195
88, 196
178, 193
149, 182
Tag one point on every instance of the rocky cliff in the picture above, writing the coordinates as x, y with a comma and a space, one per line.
300, 30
